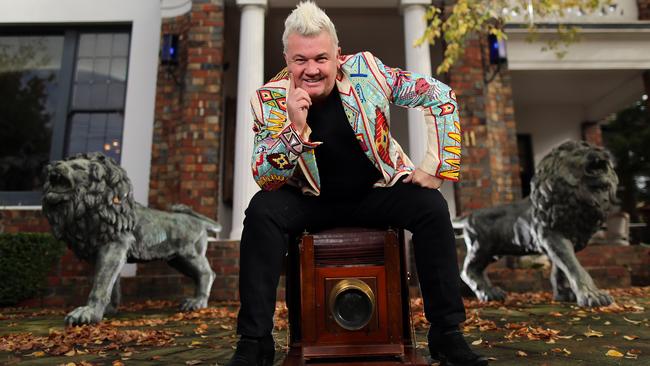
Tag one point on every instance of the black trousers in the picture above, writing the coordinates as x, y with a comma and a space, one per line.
271, 215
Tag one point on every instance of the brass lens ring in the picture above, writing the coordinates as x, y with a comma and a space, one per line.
352, 285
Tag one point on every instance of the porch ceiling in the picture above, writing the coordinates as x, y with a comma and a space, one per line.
598, 92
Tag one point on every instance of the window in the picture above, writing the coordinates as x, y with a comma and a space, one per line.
62, 92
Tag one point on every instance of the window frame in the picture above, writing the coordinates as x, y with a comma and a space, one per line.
60, 125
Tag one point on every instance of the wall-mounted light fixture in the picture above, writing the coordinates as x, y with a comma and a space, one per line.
169, 50
497, 50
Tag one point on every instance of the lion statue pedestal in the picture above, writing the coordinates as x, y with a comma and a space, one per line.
571, 194
88, 201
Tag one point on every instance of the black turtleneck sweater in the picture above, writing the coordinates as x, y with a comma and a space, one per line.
345, 170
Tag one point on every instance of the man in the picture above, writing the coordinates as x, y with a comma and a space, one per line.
324, 157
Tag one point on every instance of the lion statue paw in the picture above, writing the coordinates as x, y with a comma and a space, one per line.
594, 297
492, 294
194, 303
83, 315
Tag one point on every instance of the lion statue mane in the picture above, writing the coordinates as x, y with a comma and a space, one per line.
88, 201
572, 191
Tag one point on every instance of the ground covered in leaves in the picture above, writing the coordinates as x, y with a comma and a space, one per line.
526, 329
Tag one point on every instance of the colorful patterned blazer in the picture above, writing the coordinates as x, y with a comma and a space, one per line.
366, 87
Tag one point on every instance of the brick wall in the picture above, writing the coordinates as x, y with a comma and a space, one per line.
592, 133
16, 221
185, 154
71, 280
490, 167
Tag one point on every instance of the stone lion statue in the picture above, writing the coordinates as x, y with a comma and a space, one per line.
571, 193
88, 200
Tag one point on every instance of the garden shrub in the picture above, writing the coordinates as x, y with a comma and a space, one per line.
25, 261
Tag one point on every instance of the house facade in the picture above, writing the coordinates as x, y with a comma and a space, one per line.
163, 86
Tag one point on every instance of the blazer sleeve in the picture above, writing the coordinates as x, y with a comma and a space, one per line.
277, 145
438, 102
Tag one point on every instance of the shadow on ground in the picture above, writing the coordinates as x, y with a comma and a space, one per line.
528, 329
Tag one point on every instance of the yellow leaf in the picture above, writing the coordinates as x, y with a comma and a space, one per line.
37, 354
71, 353
566, 351
631, 338
477, 342
566, 337
632, 321
593, 333
613, 353
522, 354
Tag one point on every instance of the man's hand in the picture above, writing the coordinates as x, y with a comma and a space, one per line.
298, 103
423, 179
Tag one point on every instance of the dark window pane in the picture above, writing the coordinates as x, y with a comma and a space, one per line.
92, 132
101, 69
84, 72
81, 97
118, 69
121, 44
100, 88
116, 95
103, 46
98, 94
78, 132
114, 136
87, 45
29, 71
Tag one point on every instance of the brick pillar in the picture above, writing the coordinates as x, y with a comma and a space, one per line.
165, 176
644, 9
185, 157
490, 166
592, 133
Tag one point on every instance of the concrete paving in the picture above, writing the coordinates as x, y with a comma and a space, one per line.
529, 329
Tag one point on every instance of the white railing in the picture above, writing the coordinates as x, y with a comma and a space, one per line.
622, 11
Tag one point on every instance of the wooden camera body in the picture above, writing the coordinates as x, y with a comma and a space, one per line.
347, 295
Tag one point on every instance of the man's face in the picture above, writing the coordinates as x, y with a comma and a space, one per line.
313, 62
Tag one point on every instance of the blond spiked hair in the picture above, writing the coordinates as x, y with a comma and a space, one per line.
307, 19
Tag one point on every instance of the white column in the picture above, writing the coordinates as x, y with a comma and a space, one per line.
250, 76
418, 60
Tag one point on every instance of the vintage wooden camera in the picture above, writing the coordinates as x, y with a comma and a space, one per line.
348, 301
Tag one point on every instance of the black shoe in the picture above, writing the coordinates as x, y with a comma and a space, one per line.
451, 349
254, 352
